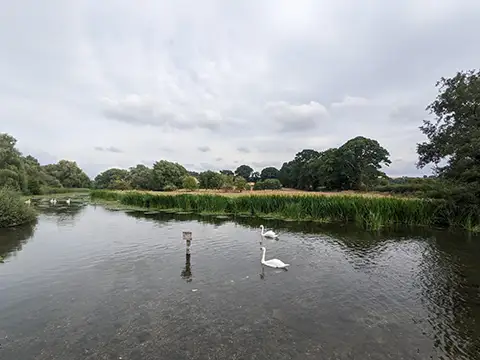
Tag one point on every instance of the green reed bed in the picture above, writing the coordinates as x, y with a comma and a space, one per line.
369, 212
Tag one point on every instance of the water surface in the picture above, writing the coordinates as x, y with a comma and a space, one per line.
89, 283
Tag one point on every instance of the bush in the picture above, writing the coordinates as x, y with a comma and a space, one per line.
169, 187
240, 183
190, 183
13, 210
268, 184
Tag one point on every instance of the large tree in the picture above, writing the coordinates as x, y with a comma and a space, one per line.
293, 174
244, 171
12, 169
211, 180
269, 173
141, 177
113, 178
69, 174
454, 134
167, 174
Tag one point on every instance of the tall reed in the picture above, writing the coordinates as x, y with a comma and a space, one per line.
370, 212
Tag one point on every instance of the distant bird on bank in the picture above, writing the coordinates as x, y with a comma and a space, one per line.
28, 202
269, 233
68, 201
274, 263
53, 201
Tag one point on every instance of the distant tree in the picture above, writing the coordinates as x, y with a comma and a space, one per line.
141, 177
167, 173
254, 177
269, 173
240, 183
454, 135
268, 184
12, 169
69, 174
228, 182
244, 171
195, 174
227, 172
293, 174
211, 180
113, 178
190, 183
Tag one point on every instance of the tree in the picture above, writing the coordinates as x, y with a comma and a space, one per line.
227, 172
269, 173
454, 135
12, 170
69, 174
254, 177
113, 178
293, 174
190, 183
228, 182
211, 180
244, 171
240, 183
268, 184
167, 174
361, 158
141, 177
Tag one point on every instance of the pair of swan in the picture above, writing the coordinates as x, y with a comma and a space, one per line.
54, 201
273, 263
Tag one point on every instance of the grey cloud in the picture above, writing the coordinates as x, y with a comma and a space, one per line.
243, 149
218, 159
307, 75
203, 148
112, 149
296, 118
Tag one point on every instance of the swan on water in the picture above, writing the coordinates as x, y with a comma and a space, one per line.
68, 201
53, 201
28, 201
269, 233
274, 263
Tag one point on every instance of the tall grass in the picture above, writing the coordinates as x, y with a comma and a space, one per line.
370, 212
13, 210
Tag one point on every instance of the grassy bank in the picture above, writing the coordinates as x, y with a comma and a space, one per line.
13, 210
370, 212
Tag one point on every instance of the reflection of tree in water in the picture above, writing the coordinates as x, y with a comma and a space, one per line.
450, 281
64, 215
13, 239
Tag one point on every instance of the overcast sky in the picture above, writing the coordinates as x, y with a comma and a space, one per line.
214, 84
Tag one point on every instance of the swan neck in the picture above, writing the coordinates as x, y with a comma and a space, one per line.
263, 255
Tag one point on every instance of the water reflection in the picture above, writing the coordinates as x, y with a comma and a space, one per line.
13, 239
64, 215
109, 288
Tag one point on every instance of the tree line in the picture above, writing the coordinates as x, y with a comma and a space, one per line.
452, 147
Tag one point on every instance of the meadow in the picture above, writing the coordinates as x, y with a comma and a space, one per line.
371, 211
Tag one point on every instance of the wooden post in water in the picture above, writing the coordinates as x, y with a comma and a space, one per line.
187, 272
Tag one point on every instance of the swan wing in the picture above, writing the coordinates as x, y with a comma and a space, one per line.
276, 263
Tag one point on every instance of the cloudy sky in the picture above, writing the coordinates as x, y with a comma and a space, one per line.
214, 84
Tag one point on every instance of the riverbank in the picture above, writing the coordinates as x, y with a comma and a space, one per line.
13, 209
369, 212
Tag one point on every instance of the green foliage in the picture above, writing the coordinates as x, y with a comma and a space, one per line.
454, 134
111, 179
244, 171
13, 210
227, 182
227, 172
167, 175
211, 180
370, 212
269, 173
268, 184
240, 183
190, 183
69, 174
141, 177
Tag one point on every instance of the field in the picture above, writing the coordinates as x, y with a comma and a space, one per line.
283, 192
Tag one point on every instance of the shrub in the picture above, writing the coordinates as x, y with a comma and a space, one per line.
13, 210
240, 183
169, 187
190, 183
268, 184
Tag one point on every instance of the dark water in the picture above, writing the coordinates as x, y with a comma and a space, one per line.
88, 283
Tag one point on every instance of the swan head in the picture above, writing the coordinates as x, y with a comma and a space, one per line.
261, 227
262, 248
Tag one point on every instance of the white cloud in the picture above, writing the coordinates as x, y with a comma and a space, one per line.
158, 79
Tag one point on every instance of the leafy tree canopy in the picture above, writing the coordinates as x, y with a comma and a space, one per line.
454, 134
269, 173
244, 171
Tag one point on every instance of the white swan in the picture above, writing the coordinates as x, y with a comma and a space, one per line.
53, 201
274, 263
269, 233
68, 201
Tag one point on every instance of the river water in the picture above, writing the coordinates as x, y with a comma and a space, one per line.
90, 283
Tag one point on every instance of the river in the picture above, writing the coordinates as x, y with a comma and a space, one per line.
90, 283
